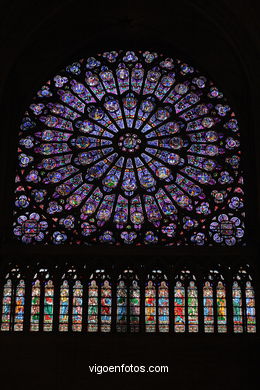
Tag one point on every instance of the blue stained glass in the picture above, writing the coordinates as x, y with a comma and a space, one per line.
129, 140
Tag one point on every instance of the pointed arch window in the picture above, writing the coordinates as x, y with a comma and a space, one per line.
77, 308
208, 307
19, 306
93, 306
35, 305
121, 306
163, 307
150, 307
99, 302
134, 306
185, 302
13, 301
215, 303
237, 308
179, 307
250, 308
64, 307
7, 306
221, 307
193, 315
243, 296
42, 302
48, 306
128, 302
106, 306
71, 302
156, 303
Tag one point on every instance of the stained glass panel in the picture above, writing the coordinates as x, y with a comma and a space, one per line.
35, 306
221, 308
48, 306
77, 306
150, 307
250, 308
237, 308
163, 307
6, 306
64, 306
208, 307
122, 301
193, 321
93, 307
179, 308
134, 306
19, 306
129, 148
106, 307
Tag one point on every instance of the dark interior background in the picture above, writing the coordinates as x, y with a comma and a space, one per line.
221, 38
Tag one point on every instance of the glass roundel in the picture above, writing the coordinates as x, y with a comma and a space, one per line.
129, 148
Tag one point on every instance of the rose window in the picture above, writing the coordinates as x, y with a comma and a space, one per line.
129, 148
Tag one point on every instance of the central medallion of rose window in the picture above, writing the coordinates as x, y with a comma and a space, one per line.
129, 142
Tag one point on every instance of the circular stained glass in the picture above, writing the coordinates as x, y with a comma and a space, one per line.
129, 148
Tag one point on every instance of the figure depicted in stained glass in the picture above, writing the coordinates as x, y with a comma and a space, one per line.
134, 296
163, 307
237, 308
208, 307
35, 306
77, 306
179, 307
221, 308
6, 306
48, 306
19, 306
64, 306
193, 321
106, 306
150, 307
250, 308
129, 148
121, 307
93, 307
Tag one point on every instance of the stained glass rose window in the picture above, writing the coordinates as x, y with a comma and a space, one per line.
129, 148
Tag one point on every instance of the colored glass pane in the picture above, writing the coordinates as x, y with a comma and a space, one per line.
208, 308
106, 307
6, 306
221, 308
193, 320
250, 308
150, 307
48, 306
77, 306
93, 307
19, 306
129, 148
179, 308
163, 307
134, 297
237, 308
121, 307
35, 306
64, 306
